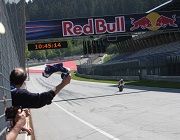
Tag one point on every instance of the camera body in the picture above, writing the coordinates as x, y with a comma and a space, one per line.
49, 70
11, 112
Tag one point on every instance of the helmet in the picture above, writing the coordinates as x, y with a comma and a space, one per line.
121, 80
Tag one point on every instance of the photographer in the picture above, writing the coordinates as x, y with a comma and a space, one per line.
26, 99
20, 121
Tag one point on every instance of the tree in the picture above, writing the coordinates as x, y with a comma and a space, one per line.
38, 55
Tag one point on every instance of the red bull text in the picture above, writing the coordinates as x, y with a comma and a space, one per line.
94, 26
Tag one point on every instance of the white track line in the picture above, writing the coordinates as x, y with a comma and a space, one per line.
84, 122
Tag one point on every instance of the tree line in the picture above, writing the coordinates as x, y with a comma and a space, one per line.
36, 10
62, 9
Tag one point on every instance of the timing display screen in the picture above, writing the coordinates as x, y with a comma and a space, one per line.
50, 45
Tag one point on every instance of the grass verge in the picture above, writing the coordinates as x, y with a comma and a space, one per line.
146, 83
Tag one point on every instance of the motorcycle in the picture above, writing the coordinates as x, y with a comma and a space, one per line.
121, 85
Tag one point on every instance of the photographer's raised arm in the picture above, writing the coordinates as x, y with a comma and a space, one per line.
27, 99
64, 82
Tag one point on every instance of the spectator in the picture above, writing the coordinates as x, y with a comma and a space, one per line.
26, 99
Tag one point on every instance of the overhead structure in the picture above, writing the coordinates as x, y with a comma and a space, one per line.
108, 29
123, 25
171, 5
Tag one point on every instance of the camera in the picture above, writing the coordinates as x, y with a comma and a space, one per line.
49, 70
11, 112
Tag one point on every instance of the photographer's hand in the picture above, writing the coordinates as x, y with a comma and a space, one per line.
27, 111
20, 120
27, 129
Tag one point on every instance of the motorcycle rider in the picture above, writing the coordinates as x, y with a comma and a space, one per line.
121, 83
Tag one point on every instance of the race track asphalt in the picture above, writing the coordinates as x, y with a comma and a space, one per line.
90, 111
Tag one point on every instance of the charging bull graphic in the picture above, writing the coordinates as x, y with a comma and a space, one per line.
153, 21
143, 23
163, 21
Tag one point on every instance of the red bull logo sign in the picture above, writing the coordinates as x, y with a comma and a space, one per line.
119, 24
153, 21
94, 26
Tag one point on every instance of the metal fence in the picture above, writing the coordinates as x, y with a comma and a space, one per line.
12, 51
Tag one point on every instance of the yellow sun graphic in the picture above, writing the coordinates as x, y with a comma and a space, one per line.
153, 18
